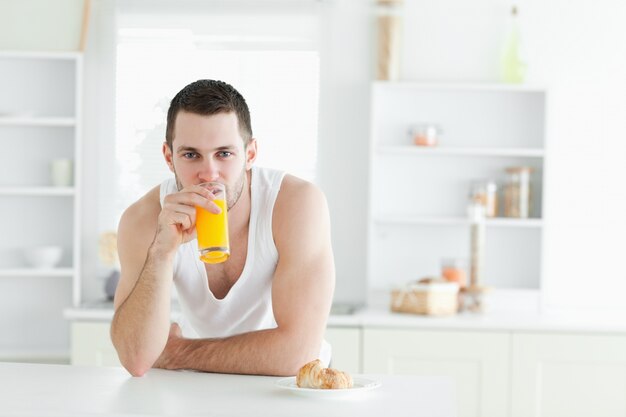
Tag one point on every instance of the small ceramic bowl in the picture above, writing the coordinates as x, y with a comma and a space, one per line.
43, 256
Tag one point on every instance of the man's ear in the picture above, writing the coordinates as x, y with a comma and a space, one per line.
251, 151
167, 154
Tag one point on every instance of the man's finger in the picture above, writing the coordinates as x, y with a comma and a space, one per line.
175, 330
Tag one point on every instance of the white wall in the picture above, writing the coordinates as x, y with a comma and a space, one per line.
577, 48
344, 136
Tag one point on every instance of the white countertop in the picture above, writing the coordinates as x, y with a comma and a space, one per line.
510, 311
64, 390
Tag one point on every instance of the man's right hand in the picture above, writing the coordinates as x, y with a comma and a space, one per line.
177, 220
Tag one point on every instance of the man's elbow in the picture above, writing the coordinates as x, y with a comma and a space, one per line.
300, 355
137, 360
136, 363
137, 371
292, 367
136, 366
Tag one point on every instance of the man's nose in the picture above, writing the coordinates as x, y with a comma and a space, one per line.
209, 171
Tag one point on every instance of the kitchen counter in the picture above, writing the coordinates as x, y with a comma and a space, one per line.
510, 311
64, 390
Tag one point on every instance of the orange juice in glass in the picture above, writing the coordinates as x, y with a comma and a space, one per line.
212, 229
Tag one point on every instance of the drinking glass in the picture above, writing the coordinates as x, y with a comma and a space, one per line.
212, 229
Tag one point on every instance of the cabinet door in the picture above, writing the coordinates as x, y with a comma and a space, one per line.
569, 375
346, 344
91, 344
477, 361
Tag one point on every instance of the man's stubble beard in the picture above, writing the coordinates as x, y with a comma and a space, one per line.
233, 194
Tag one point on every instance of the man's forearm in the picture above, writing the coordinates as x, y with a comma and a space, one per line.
264, 352
140, 325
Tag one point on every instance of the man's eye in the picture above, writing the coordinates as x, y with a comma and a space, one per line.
224, 154
189, 155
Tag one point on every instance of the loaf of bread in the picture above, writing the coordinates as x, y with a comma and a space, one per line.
314, 375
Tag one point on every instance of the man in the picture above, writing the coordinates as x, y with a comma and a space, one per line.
262, 311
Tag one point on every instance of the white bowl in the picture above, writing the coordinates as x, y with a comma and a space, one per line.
43, 256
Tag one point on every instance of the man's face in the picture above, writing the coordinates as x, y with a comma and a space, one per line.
210, 148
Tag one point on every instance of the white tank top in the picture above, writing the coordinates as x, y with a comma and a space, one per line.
248, 305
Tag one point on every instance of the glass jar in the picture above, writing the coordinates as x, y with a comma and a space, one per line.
454, 270
389, 39
425, 134
485, 193
477, 217
518, 193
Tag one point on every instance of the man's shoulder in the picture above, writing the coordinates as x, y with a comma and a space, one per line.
295, 191
298, 201
145, 210
301, 220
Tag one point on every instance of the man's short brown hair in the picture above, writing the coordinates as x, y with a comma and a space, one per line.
208, 97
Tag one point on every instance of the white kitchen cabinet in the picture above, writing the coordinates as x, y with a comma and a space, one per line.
477, 361
346, 344
91, 344
571, 375
419, 195
40, 120
497, 373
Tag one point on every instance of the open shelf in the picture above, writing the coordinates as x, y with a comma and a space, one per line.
37, 191
456, 151
461, 221
37, 121
455, 87
36, 272
418, 195
41, 118
61, 55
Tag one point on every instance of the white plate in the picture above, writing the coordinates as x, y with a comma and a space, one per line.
360, 386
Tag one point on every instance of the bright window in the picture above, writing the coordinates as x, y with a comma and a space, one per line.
277, 73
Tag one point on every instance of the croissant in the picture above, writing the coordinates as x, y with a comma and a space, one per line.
314, 375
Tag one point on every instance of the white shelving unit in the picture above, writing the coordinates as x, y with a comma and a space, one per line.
462, 221
40, 120
37, 191
442, 151
37, 121
37, 272
419, 195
